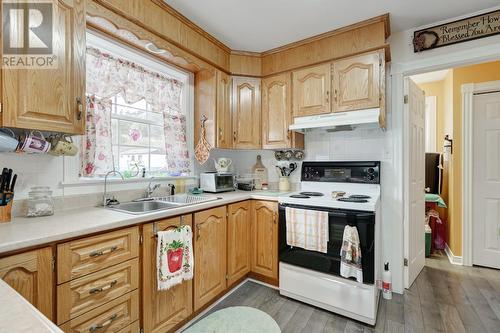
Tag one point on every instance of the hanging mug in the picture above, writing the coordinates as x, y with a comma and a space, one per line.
35, 144
8, 142
62, 145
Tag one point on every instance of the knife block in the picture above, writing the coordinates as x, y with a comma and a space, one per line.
6, 211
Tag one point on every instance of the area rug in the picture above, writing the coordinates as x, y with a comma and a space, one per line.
241, 319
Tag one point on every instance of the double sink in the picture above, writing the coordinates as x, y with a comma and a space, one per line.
149, 205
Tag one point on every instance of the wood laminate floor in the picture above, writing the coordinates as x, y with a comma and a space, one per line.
444, 298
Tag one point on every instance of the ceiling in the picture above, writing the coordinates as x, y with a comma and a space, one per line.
260, 25
430, 76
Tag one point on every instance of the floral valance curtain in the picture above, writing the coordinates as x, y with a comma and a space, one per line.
108, 76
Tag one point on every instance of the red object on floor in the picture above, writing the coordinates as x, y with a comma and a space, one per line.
438, 229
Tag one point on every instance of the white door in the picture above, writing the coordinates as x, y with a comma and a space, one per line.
415, 178
486, 181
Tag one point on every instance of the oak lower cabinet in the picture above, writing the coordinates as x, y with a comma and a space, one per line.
31, 275
277, 114
162, 310
246, 113
311, 90
238, 241
357, 82
50, 99
264, 230
209, 255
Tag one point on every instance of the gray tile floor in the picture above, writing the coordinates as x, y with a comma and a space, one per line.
444, 298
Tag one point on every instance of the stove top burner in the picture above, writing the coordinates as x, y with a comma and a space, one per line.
312, 194
351, 199
300, 196
359, 196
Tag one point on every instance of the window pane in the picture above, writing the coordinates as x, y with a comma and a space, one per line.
114, 132
125, 111
158, 161
131, 156
155, 118
157, 137
133, 134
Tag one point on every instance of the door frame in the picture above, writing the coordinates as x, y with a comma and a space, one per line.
468, 92
398, 71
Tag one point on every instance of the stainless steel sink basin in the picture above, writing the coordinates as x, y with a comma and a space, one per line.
143, 207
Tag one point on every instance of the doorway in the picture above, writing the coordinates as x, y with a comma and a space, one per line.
437, 160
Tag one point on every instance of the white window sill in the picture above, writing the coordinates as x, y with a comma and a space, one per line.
97, 181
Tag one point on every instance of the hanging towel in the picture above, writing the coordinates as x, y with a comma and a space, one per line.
307, 229
350, 263
174, 258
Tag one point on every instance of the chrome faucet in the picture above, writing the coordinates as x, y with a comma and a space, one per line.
105, 200
149, 190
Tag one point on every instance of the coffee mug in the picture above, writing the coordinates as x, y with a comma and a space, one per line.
8, 142
35, 143
62, 145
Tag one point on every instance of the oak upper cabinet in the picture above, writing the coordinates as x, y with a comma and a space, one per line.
311, 90
209, 255
224, 125
51, 99
277, 114
265, 239
246, 113
162, 310
213, 100
357, 82
238, 241
31, 275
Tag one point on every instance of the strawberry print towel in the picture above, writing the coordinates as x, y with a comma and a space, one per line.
174, 258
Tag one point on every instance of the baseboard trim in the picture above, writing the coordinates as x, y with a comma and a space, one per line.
455, 260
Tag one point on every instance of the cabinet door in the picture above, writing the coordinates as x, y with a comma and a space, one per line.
209, 255
51, 99
356, 82
30, 274
238, 241
162, 310
277, 114
246, 113
265, 239
311, 90
224, 135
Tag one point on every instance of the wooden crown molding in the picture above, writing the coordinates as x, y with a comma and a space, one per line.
246, 53
382, 18
191, 24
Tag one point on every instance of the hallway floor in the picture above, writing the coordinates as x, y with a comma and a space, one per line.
444, 298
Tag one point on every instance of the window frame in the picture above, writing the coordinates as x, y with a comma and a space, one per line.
121, 50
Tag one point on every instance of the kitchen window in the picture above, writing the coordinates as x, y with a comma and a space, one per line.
139, 115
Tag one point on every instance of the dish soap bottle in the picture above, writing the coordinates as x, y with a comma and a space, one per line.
260, 172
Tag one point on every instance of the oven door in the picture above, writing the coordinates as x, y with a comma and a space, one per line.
329, 262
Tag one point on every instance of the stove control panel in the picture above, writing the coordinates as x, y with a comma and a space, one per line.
341, 172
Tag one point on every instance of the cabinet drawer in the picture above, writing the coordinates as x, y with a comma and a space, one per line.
133, 328
86, 293
88, 255
109, 318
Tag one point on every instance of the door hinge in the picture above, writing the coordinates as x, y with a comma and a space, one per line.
0, 107
140, 239
53, 263
227, 277
405, 99
141, 330
405, 262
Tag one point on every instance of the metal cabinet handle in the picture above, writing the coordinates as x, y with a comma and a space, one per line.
335, 95
108, 322
79, 108
234, 136
104, 288
328, 96
198, 227
274, 218
103, 252
220, 133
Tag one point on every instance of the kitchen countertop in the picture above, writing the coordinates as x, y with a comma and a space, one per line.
18, 315
25, 232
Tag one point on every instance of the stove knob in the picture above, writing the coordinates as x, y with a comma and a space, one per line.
371, 177
370, 171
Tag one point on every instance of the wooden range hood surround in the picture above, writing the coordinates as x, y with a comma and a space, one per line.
189, 47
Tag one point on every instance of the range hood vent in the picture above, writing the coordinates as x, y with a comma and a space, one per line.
337, 121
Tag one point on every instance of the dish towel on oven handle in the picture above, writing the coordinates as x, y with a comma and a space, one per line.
307, 229
174, 257
350, 261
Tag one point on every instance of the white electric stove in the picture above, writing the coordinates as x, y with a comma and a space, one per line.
349, 192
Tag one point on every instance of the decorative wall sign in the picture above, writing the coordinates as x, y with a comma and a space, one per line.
459, 31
